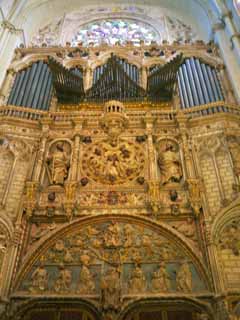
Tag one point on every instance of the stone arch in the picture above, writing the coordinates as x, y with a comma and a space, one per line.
27, 308
6, 236
163, 303
225, 237
40, 250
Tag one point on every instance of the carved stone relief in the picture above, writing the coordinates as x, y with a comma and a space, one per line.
107, 164
112, 259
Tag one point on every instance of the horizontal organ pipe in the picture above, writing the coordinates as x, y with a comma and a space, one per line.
198, 83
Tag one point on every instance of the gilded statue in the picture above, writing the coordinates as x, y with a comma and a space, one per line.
58, 164
137, 283
86, 283
39, 279
169, 163
111, 289
160, 280
64, 280
184, 278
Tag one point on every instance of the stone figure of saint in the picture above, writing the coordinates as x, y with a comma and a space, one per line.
184, 278
169, 164
86, 283
160, 280
64, 280
39, 279
59, 164
137, 283
111, 290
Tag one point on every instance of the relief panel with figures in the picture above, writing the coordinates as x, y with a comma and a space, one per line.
135, 256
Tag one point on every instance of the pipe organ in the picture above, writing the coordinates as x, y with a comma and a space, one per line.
32, 87
198, 83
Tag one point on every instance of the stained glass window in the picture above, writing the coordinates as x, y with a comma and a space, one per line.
237, 6
114, 31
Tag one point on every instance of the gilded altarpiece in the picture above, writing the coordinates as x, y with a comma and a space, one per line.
124, 211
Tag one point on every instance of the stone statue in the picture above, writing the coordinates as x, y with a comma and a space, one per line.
86, 284
137, 283
59, 163
112, 235
184, 278
111, 290
39, 279
64, 280
160, 280
169, 163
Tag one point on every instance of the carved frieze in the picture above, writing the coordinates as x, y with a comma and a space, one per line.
93, 260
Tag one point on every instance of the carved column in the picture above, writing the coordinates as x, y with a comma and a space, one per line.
153, 182
150, 121
229, 56
188, 163
42, 148
78, 122
212, 256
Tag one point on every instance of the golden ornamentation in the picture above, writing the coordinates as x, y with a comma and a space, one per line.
113, 164
195, 188
154, 196
31, 197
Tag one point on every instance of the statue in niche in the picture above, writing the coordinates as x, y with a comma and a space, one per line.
111, 290
137, 283
169, 162
86, 283
230, 238
160, 280
58, 164
64, 280
39, 279
184, 278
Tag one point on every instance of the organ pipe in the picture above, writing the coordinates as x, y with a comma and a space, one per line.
32, 87
198, 84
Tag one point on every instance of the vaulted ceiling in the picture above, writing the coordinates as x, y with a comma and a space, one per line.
31, 15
